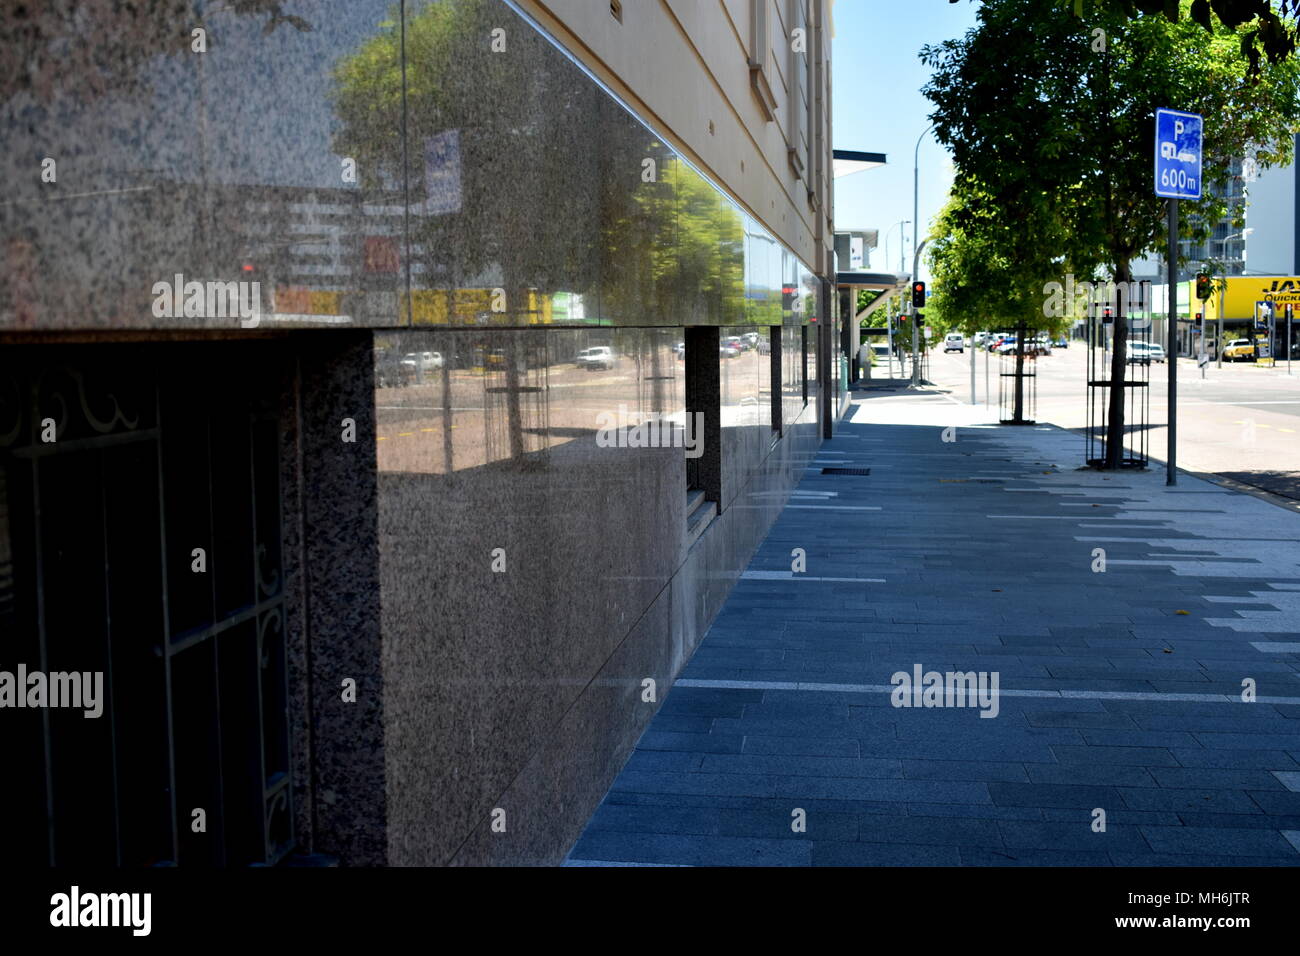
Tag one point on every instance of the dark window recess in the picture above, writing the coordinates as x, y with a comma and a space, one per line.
774, 386
159, 451
703, 391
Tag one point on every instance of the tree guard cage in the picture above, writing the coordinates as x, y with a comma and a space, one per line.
1018, 382
1136, 382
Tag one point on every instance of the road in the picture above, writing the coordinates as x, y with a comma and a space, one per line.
1241, 421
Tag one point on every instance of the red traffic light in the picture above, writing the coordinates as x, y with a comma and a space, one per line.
1203, 289
918, 295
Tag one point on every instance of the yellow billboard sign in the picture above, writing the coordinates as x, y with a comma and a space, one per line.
1244, 291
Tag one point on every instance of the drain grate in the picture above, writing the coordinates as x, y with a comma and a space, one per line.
846, 471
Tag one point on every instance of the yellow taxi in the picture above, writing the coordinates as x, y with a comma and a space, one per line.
1239, 350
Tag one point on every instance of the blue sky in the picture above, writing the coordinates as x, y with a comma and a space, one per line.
877, 104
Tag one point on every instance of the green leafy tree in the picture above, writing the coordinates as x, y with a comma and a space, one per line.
1051, 119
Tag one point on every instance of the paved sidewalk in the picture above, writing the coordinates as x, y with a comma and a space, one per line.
1119, 691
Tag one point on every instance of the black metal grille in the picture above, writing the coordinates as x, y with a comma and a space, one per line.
158, 452
846, 471
1135, 381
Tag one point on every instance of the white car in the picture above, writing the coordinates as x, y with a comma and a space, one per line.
425, 361
954, 342
600, 356
1144, 353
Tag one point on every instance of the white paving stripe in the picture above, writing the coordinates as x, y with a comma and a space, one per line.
1276, 647
791, 576
1054, 694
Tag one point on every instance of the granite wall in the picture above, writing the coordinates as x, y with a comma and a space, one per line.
426, 211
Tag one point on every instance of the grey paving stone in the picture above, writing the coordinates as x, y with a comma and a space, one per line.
964, 770
1072, 835
802, 765
882, 854
777, 824
1123, 756
691, 850
1202, 801
1052, 795
707, 743
1218, 841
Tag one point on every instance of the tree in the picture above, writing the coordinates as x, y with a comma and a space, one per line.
1273, 30
1050, 119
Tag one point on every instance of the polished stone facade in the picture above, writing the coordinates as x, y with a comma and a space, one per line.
442, 213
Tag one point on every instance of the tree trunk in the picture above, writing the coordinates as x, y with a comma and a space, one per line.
1118, 373
1018, 410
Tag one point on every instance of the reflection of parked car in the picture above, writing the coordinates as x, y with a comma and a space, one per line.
1061, 343
727, 350
735, 342
425, 361
751, 339
1144, 353
1240, 350
600, 356
679, 349
765, 346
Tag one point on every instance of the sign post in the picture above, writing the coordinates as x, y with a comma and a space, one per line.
1177, 176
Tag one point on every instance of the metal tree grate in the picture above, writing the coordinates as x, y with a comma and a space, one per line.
1136, 383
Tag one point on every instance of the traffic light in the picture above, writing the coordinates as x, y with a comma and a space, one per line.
918, 295
1198, 316
1203, 291
1106, 317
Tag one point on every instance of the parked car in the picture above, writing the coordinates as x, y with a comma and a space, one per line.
728, 350
736, 342
1062, 343
954, 342
980, 337
597, 357
751, 340
1240, 350
1144, 353
425, 361
765, 346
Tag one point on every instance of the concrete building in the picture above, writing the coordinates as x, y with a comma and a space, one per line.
332, 340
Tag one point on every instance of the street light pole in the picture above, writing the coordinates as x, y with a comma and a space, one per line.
916, 153
901, 222
1223, 248
916, 320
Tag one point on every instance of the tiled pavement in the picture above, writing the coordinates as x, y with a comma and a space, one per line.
1119, 690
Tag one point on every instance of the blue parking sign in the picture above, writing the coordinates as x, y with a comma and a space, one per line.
1178, 154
